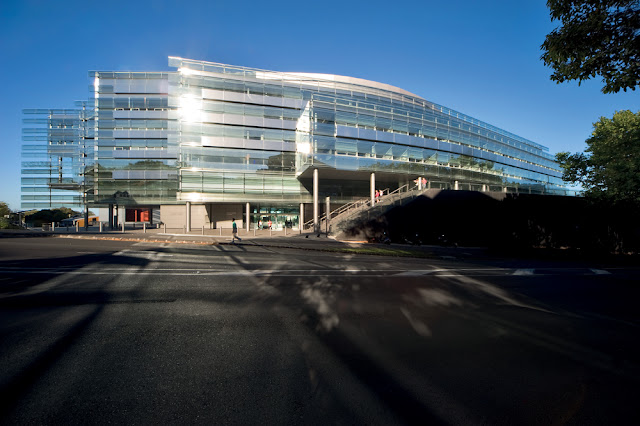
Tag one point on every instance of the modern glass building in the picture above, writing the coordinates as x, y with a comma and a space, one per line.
207, 142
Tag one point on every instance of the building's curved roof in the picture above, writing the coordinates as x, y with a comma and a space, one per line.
284, 75
357, 81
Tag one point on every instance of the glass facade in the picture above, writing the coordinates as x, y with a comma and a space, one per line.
134, 164
57, 158
214, 133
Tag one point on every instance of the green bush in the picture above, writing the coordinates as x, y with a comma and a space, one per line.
6, 224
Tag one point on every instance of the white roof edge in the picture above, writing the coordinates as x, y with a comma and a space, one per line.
355, 80
318, 76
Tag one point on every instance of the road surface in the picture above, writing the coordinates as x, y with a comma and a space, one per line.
98, 332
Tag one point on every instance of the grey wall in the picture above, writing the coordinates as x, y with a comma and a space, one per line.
199, 216
174, 216
222, 214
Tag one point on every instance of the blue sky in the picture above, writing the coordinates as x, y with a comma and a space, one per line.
481, 58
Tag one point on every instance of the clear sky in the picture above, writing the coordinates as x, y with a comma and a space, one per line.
479, 57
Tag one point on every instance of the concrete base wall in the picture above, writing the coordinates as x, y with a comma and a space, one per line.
222, 214
199, 216
174, 216
103, 214
121, 215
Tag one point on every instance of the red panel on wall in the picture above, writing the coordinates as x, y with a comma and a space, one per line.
138, 215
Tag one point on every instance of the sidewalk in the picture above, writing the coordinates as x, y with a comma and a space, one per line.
200, 236
310, 241
264, 238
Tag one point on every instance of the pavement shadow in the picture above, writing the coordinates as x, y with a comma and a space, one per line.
320, 317
29, 272
21, 297
13, 390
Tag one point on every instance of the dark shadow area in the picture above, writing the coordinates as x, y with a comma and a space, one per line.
564, 226
26, 273
20, 384
220, 246
383, 384
513, 325
44, 269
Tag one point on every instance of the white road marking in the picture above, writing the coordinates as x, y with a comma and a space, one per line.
234, 268
271, 272
523, 272
416, 273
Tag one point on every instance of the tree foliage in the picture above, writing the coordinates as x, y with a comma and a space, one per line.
4, 209
37, 218
609, 169
597, 37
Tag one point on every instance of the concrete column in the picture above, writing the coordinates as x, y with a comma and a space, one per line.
504, 189
188, 224
372, 188
110, 216
315, 201
116, 217
248, 220
328, 207
455, 185
484, 188
301, 218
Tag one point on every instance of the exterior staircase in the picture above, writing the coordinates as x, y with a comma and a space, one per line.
356, 212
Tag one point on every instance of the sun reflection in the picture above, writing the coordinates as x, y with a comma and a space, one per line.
190, 109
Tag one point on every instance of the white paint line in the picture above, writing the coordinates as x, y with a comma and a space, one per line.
233, 270
412, 273
600, 272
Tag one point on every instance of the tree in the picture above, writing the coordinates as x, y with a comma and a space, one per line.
597, 37
37, 218
4, 209
609, 169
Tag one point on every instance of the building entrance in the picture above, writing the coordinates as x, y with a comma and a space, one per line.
275, 218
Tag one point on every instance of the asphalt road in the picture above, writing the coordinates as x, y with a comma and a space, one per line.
108, 332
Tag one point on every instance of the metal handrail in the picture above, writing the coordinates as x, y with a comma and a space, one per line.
340, 210
403, 188
358, 204
349, 206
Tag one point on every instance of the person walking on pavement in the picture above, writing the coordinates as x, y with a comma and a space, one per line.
234, 231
